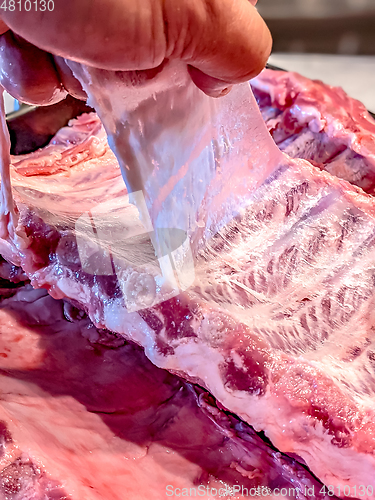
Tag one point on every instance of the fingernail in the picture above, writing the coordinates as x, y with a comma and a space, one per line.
209, 85
224, 91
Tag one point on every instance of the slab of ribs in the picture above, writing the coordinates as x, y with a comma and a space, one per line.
259, 373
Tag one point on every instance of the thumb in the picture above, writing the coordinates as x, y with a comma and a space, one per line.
232, 45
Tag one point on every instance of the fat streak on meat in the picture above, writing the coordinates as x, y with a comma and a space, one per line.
278, 325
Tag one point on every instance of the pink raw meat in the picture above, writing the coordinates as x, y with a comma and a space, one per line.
322, 124
278, 324
86, 416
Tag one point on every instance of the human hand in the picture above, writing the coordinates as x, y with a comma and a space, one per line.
222, 41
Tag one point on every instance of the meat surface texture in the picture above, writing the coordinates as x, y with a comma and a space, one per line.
84, 415
175, 143
311, 120
278, 324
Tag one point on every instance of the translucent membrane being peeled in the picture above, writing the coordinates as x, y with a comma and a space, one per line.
189, 161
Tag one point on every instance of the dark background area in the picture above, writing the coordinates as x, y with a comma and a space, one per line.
321, 26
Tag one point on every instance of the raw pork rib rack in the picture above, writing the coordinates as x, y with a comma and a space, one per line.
84, 415
278, 325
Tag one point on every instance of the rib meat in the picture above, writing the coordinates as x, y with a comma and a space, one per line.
311, 120
278, 324
84, 415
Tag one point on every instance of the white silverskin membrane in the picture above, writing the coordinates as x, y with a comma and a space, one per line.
189, 154
267, 303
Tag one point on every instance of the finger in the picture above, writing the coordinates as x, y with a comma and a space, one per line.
70, 83
27, 72
3, 27
108, 34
